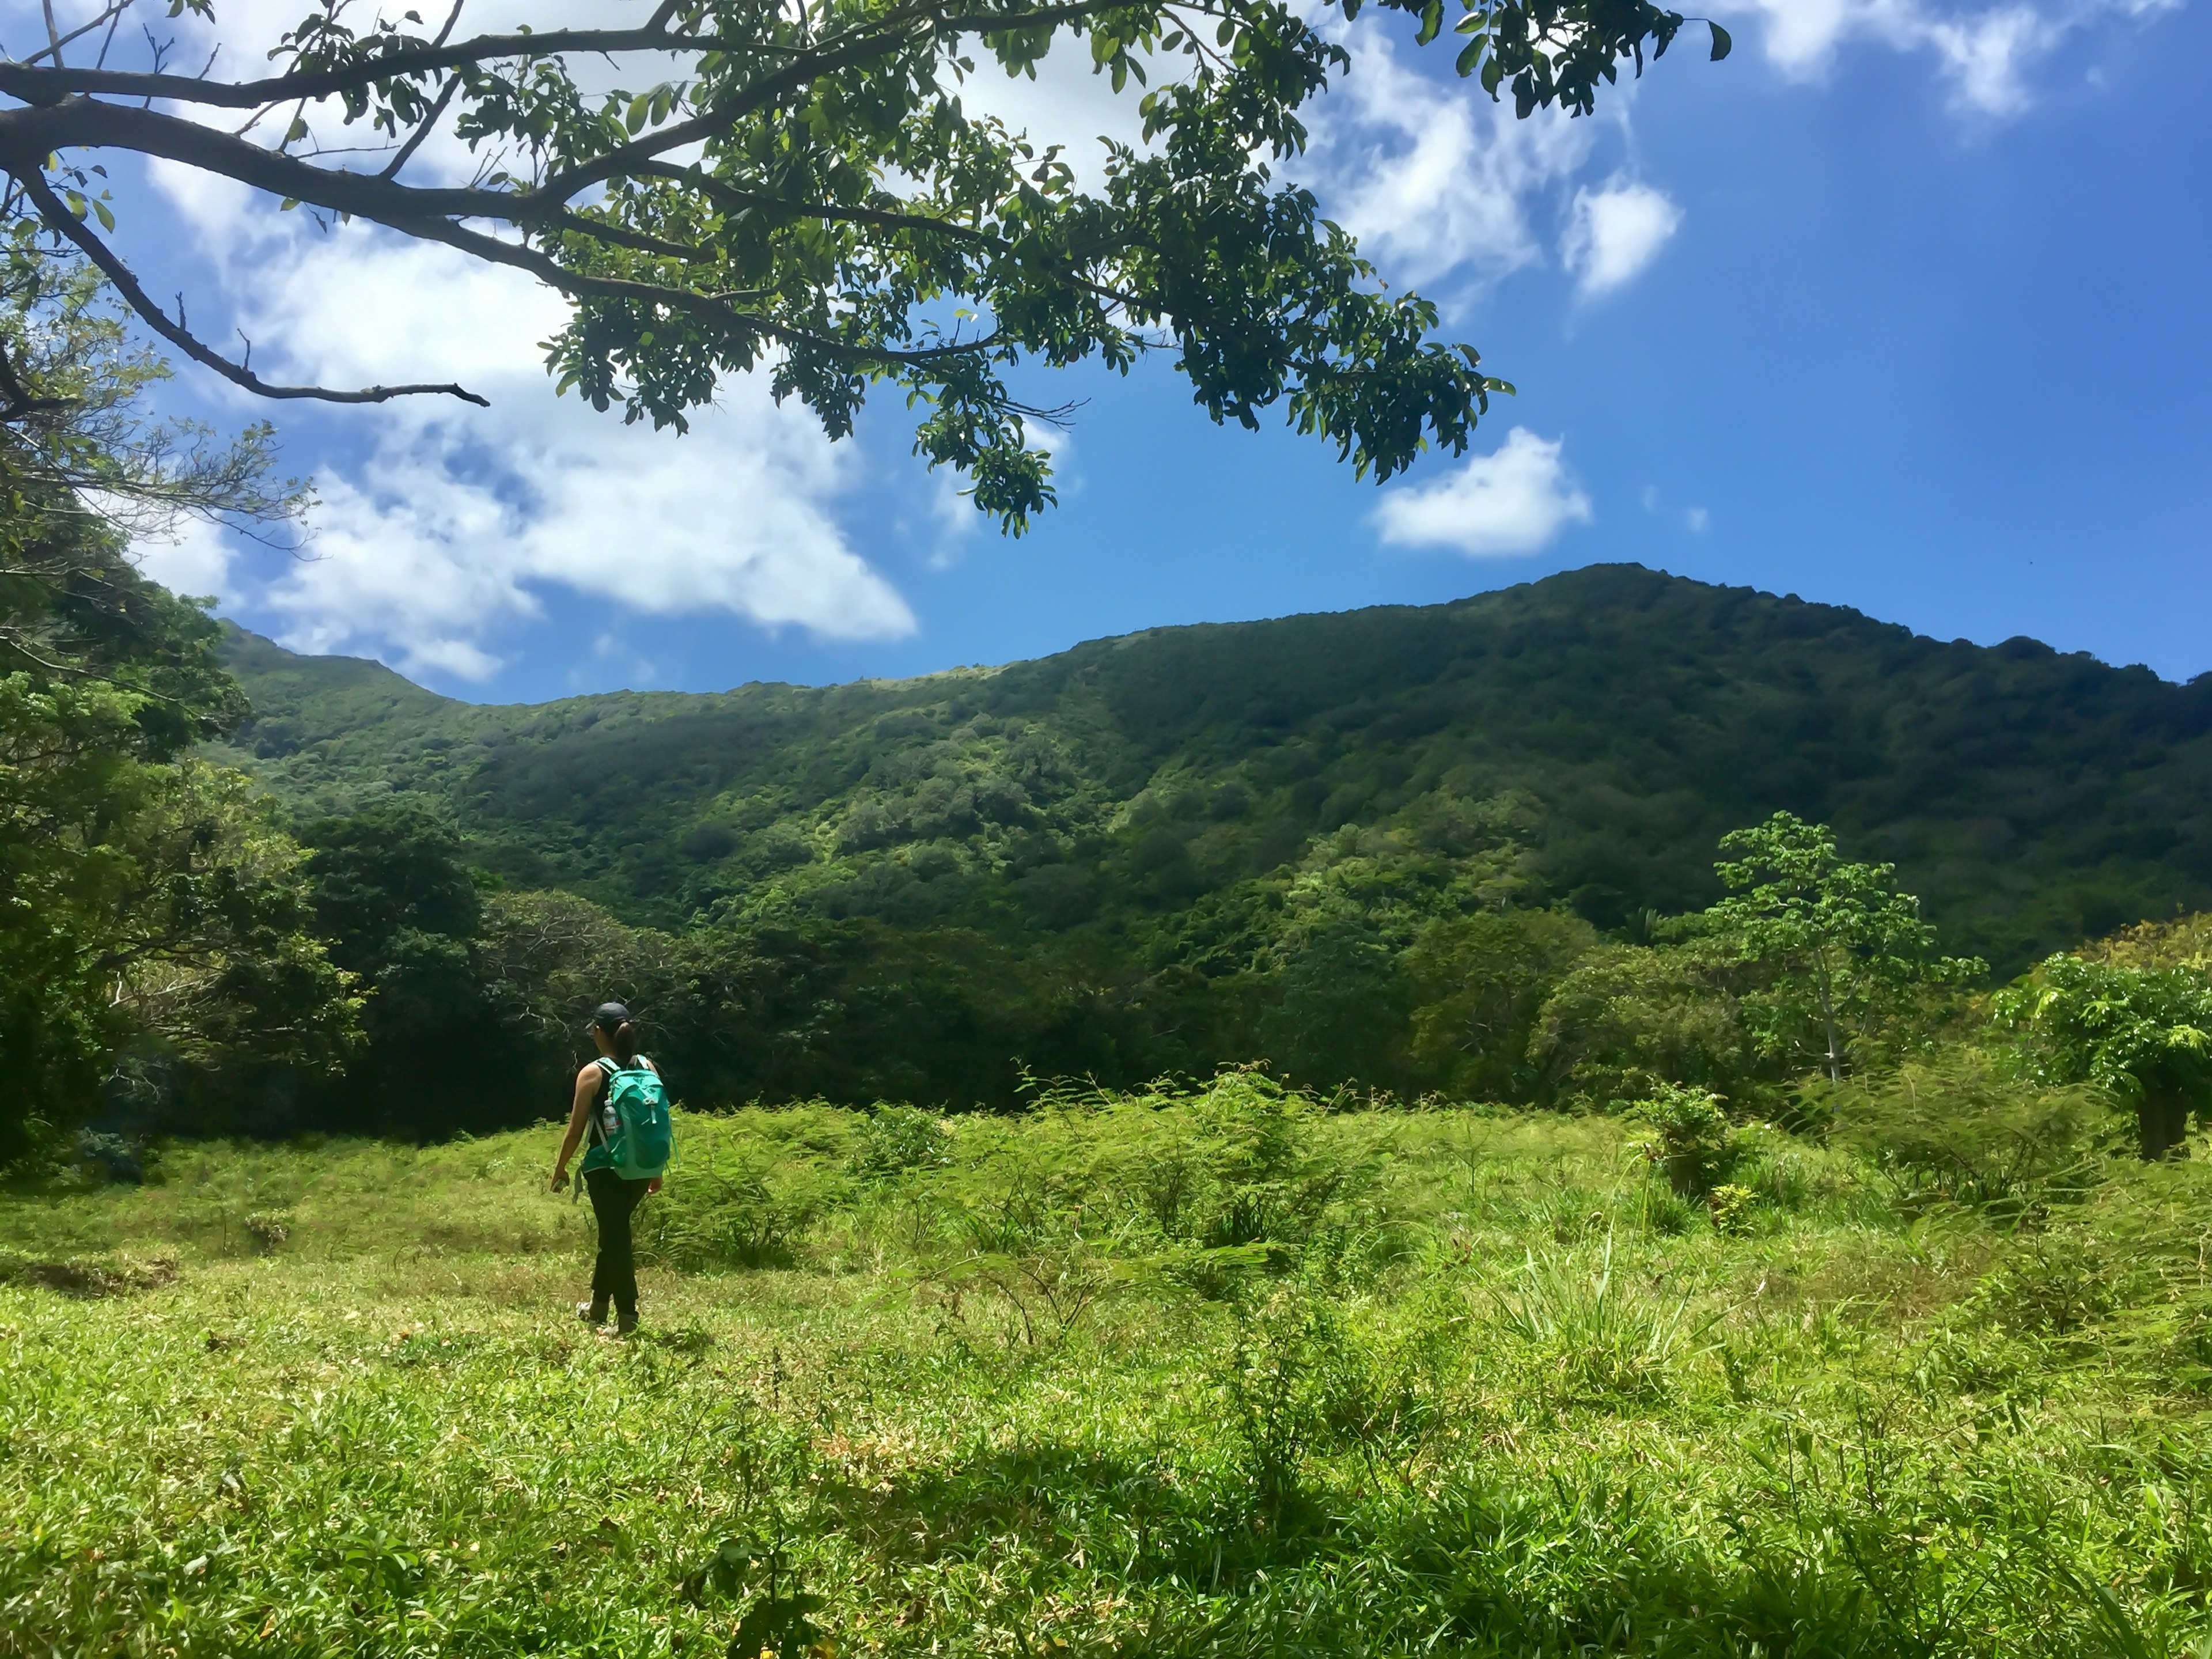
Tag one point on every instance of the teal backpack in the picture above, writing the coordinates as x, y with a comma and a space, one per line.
635, 1138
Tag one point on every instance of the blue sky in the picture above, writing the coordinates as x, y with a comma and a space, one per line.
1901, 308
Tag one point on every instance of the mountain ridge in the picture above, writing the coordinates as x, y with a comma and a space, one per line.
2031, 796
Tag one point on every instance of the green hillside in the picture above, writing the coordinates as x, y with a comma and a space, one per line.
1116, 798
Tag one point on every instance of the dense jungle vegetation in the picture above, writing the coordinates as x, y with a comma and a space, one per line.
1371, 847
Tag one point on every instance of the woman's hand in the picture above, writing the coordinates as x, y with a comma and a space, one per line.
652, 1187
560, 1176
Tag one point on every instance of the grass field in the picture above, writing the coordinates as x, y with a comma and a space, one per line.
1219, 1373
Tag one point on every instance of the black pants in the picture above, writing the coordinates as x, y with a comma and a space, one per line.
614, 1277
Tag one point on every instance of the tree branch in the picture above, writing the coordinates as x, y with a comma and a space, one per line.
430, 121
35, 85
877, 39
718, 307
108, 16
60, 219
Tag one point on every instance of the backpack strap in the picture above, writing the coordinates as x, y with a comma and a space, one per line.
598, 1135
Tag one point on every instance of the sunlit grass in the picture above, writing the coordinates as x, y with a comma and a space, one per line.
1162, 1376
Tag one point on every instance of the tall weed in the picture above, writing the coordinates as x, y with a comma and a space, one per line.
1588, 1334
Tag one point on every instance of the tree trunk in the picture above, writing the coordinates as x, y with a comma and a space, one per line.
2162, 1117
1828, 1020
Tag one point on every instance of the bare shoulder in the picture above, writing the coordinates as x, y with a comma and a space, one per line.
589, 1070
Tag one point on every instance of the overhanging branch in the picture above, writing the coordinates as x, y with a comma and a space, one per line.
57, 215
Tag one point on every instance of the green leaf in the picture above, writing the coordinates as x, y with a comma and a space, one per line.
107, 218
633, 122
1470, 55
1722, 45
1432, 23
297, 131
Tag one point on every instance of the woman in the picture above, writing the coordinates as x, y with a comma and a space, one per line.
614, 1277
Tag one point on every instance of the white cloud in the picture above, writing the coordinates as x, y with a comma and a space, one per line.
1985, 55
1613, 234
1514, 501
195, 560
455, 520
1433, 177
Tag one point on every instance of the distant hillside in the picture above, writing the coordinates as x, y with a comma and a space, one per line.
1102, 795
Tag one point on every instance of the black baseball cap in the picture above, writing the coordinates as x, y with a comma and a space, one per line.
609, 1015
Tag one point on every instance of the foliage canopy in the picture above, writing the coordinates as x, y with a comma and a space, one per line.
810, 191
152, 914
1846, 944
2144, 1033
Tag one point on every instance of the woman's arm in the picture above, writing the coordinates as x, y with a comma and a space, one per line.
587, 1094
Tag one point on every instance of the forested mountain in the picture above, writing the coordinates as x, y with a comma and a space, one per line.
1129, 857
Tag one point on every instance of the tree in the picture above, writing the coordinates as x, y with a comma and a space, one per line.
2144, 1033
801, 189
151, 912
1626, 1019
1844, 946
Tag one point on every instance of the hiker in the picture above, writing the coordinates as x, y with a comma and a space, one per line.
622, 1106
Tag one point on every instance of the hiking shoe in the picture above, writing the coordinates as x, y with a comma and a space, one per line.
627, 1326
584, 1312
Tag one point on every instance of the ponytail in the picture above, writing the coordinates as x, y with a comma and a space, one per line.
614, 1024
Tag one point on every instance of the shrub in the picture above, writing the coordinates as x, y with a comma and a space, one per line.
1628, 1018
735, 1199
271, 1231
1694, 1146
1282, 1380
1966, 1128
899, 1139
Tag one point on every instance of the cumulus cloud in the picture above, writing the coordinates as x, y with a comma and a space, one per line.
1985, 55
1516, 499
196, 560
1433, 178
1613, 233
455, 522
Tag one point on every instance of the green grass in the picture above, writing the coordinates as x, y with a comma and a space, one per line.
1194, 1375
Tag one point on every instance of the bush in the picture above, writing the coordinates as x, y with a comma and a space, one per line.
1283, 1380
1694, 1147
897, 1140
1733, 1208
1967, 1128
745, 1189
1629, 1018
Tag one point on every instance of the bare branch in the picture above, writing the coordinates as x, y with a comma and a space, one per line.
50, 85
57, 215
110, 16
